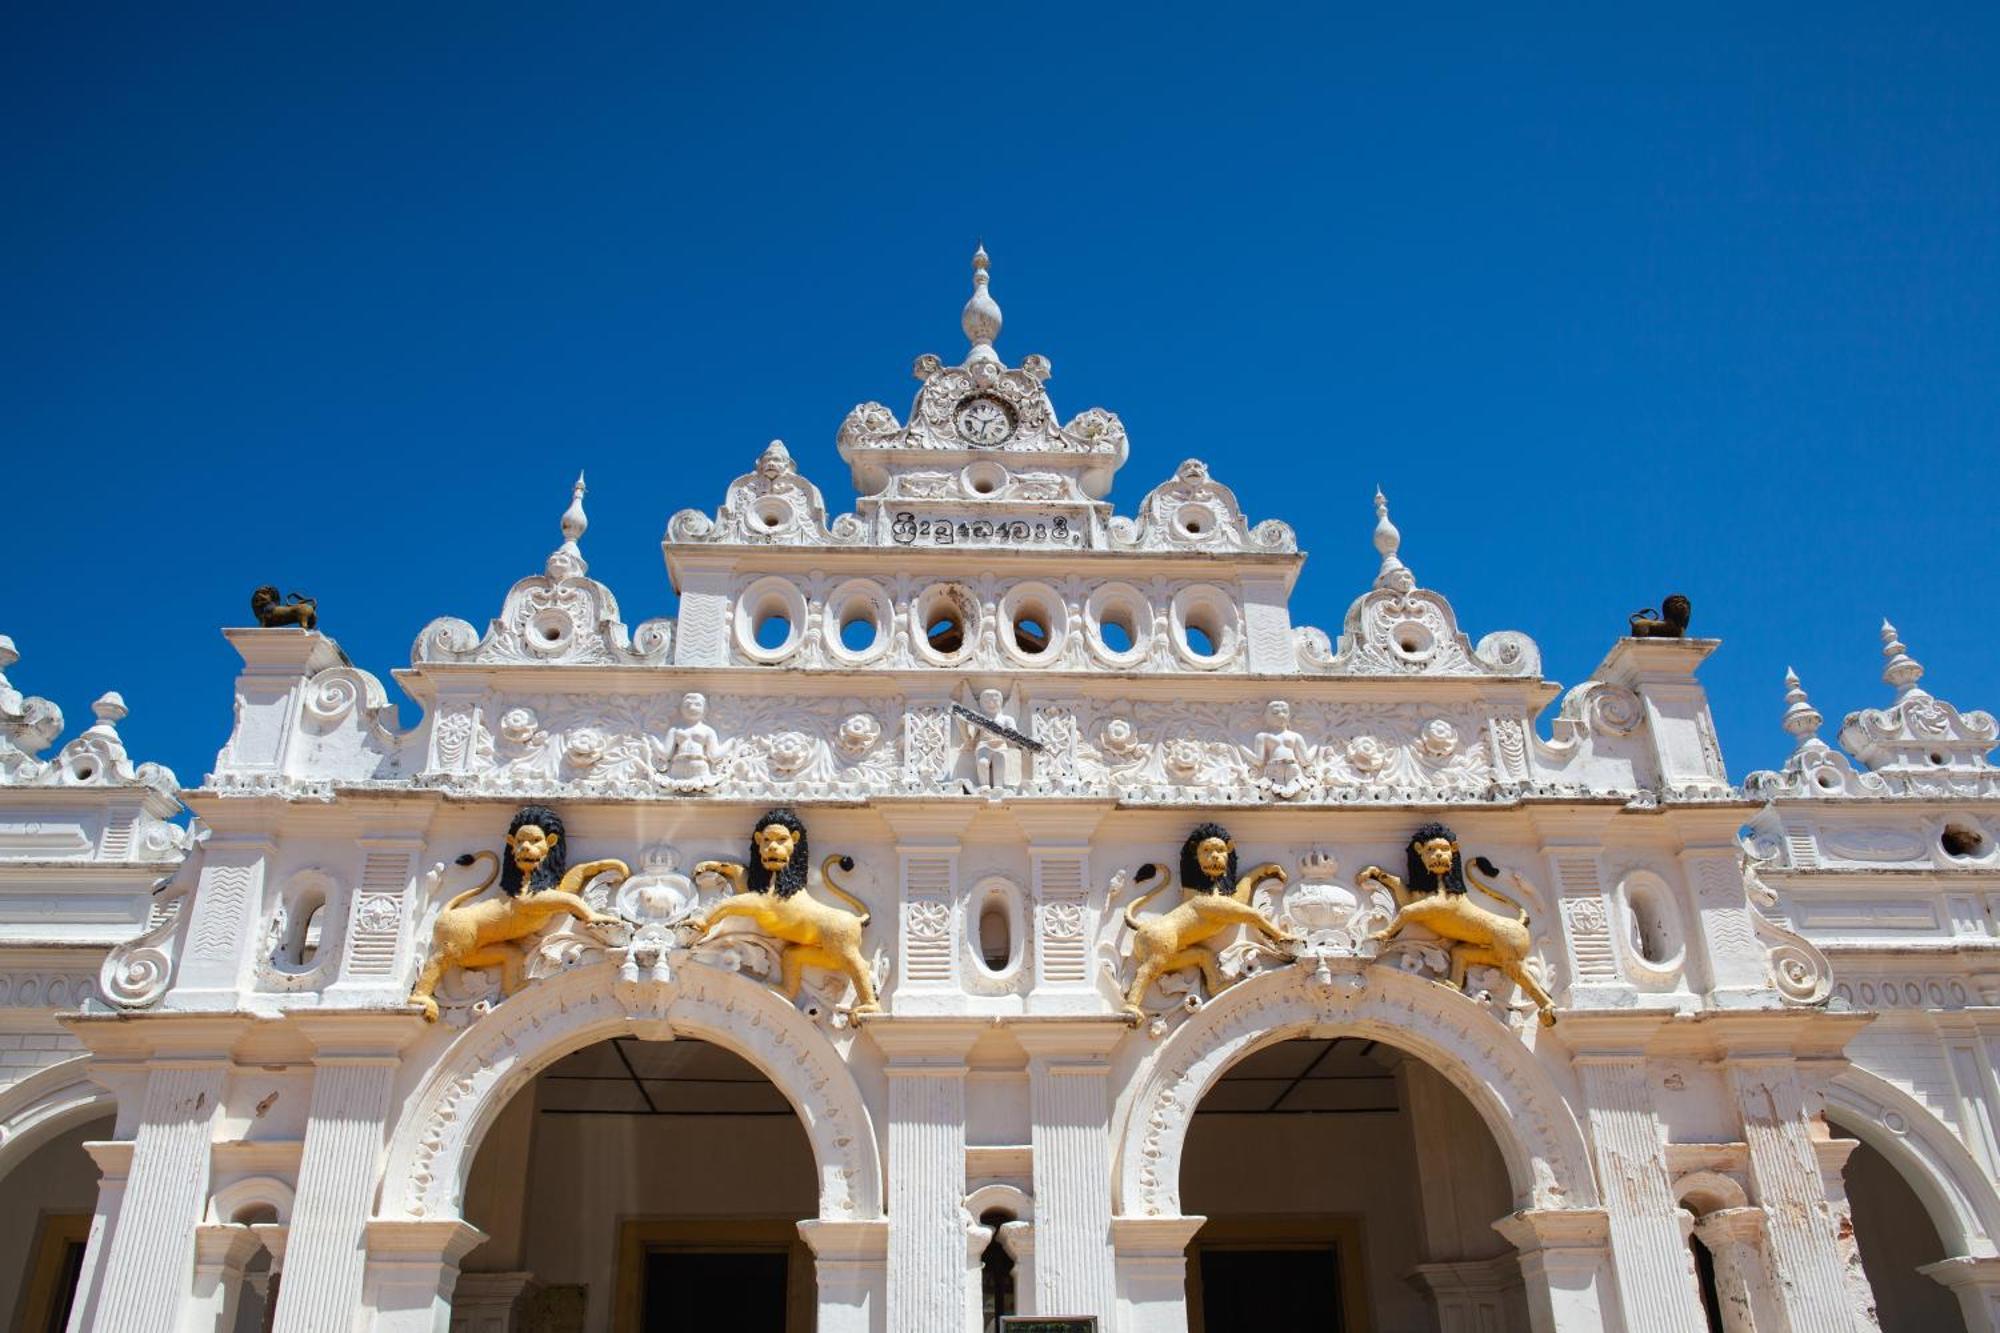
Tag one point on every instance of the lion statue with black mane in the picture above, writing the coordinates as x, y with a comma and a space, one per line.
1217, 899
1433, 895
771, 892
537, 884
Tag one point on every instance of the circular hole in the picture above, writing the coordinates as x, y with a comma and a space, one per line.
985, 478
85, 772
1827, 780
1937, 759
771, 513
1116, 631
1031, 633
551, 633
945, 634
1962, 842
773, 631
857, 633
1199, 641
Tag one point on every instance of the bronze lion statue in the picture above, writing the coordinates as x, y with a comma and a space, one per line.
275, 612
1669, 622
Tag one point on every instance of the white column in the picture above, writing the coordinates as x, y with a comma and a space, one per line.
355, 1060
1806, 1263
850, 1259
1656, 1279
1742, 1279
220, 1252
151, 1257
412, 1268
1566, 1269
926, 1166
1152, 1272
113, 1161
1068, 1077
1976, 1283
1833, 1154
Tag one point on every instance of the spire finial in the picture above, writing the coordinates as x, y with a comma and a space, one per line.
981, 320
1902, 670
1394, 573
1801, 718
567, 561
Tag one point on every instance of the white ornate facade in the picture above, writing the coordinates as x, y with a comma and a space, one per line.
1004, 701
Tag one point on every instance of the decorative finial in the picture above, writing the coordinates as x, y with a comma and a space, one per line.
1902, 671
110, 708
1801, 718
1394, 573
8, 654
567, 561
981, 320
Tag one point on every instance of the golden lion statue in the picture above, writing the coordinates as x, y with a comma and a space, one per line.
1217, 900
1477, 937
538, 889
771, 892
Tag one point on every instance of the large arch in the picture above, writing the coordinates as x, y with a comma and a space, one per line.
1929, 1155
48, 1103
1548, 1165
434, 1143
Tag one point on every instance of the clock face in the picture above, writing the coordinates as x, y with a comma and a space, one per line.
983, 420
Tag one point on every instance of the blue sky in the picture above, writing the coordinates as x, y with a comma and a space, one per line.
1612, 302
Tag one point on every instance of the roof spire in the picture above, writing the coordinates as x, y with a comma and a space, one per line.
1801, 718
1902, 671
567, 561
1394, 573
981, 320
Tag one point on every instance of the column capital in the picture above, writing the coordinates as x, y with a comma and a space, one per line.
1535, 1229
223, 1245
1965, 1270
927, 824
272, 1236
358, 1036
918, 1044
857, 1240
1154, 1237
1083, 1038
438, 1239
1730, 1224
1048, 825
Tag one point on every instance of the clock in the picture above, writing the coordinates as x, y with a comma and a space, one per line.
984, 421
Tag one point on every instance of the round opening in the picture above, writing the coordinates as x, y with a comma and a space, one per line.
85, 771
771, 513
857, 632
772, 631
1194, 520
945, 633
1412, 639
1826, 780
308, 949
1199, 641
985, 478
1937, 759
1117, 633
1649, 937
1031, 634
1205, 625
946, 619
1119, 621
1962, 842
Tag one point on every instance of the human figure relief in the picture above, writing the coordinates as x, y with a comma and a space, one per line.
691, 754
1284, 760
538, 889
1218, 899
771, 893
990, 747
1477, 937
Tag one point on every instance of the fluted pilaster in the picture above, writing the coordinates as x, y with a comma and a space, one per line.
927, 1221
152, 1247
325, 1256
1068, 1074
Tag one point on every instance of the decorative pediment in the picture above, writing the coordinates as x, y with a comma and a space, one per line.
1918, 746
557, 617
1399, 629
770, 505
1193, 511
96, 758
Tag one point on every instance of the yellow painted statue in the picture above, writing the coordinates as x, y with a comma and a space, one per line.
1217, 899
538, 885
771, 892
1476, 937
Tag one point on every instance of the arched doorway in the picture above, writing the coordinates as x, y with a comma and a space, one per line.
1897, 1239
51, 1191
1347, 1186
639, 1185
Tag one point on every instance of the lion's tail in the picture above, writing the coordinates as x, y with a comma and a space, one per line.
1487, 867
483, 885
1146, 872
846, 863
